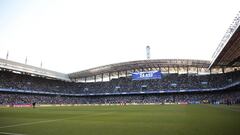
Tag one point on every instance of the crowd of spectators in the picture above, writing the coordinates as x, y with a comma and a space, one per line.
27, 82
9, 80
168, 82
220, 97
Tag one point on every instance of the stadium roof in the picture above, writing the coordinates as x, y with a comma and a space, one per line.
226, 55
228, 52
141, 64
23, 68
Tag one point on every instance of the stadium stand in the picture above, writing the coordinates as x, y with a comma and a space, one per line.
182, 80
169, 82
220, 97
45, 88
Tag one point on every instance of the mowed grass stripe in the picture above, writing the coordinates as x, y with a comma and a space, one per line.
225, 107
127, 120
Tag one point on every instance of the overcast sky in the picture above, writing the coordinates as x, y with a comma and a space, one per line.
72, 35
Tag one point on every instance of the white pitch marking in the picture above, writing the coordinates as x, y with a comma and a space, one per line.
45, 121
31, 123
7, 133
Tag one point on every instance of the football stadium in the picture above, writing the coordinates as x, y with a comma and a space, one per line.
142, 97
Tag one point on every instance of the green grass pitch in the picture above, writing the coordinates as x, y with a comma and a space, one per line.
122, 120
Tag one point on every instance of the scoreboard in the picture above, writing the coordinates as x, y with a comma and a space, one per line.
146, 75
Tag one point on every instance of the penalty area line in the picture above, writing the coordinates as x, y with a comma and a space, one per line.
7, 133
